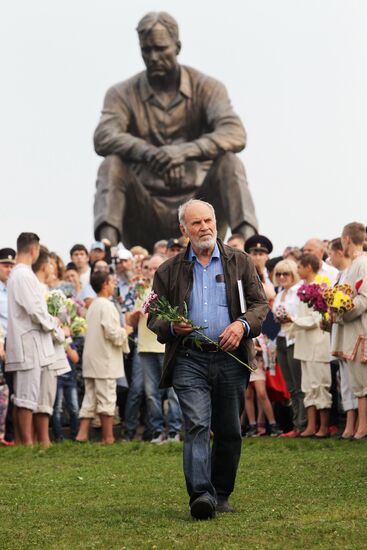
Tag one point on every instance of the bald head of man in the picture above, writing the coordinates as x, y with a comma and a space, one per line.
315, 247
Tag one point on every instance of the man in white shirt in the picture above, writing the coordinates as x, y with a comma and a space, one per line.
354, 322
29, 341
350, 404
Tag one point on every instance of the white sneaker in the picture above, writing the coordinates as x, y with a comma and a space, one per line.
173, 437
158, 438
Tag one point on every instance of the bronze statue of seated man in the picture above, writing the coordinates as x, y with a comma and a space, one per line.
168, 134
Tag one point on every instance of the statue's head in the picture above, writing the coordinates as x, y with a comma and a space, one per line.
159, 43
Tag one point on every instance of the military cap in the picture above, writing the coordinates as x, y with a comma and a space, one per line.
7, 256
259, 243
175, 242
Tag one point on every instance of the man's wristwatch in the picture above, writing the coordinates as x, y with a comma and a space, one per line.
246, 326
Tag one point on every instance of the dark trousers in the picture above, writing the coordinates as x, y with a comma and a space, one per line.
67, 393
334, 412
292, 373
210, 388
134, 397
9, 426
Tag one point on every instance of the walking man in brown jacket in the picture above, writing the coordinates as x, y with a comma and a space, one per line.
223, 293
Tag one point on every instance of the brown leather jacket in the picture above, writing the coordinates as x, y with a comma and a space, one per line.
174, 279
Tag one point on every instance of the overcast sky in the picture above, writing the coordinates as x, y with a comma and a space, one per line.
295, 71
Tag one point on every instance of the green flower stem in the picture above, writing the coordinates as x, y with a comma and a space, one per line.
163, 310
227, 352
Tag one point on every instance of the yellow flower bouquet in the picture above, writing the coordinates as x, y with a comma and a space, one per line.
339, 298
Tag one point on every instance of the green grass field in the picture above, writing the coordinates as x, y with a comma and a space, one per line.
289, 494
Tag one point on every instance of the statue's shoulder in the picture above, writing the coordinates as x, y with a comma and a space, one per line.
126, 86
201, 80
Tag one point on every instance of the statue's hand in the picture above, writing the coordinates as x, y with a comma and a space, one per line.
149, 154
175, 176
166, 158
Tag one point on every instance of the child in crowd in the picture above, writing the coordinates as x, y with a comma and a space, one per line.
67, 391
105, 342
258, 383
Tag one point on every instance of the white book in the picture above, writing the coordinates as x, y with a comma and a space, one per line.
241, 294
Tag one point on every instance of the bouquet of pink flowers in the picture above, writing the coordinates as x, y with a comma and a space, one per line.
324, 299
281, 314
313, 295
162, 309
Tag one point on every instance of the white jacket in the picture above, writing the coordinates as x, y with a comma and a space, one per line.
350, 334
30, 326
105, 341
312, 343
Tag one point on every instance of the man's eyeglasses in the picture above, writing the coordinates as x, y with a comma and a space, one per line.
282, 274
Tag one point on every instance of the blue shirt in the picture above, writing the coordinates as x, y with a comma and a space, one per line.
208, 304
87, 292
127, 293
4, 307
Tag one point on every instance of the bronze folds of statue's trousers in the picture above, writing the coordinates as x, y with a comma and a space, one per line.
143, 215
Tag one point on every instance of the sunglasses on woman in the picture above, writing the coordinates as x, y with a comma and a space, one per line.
282, 273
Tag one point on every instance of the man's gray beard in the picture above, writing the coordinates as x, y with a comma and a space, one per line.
205, 245
125, 275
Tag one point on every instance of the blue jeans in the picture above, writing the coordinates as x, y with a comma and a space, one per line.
210, 388
66, 390
152, 366
134, 397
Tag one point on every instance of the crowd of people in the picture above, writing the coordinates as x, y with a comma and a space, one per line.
310, 381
